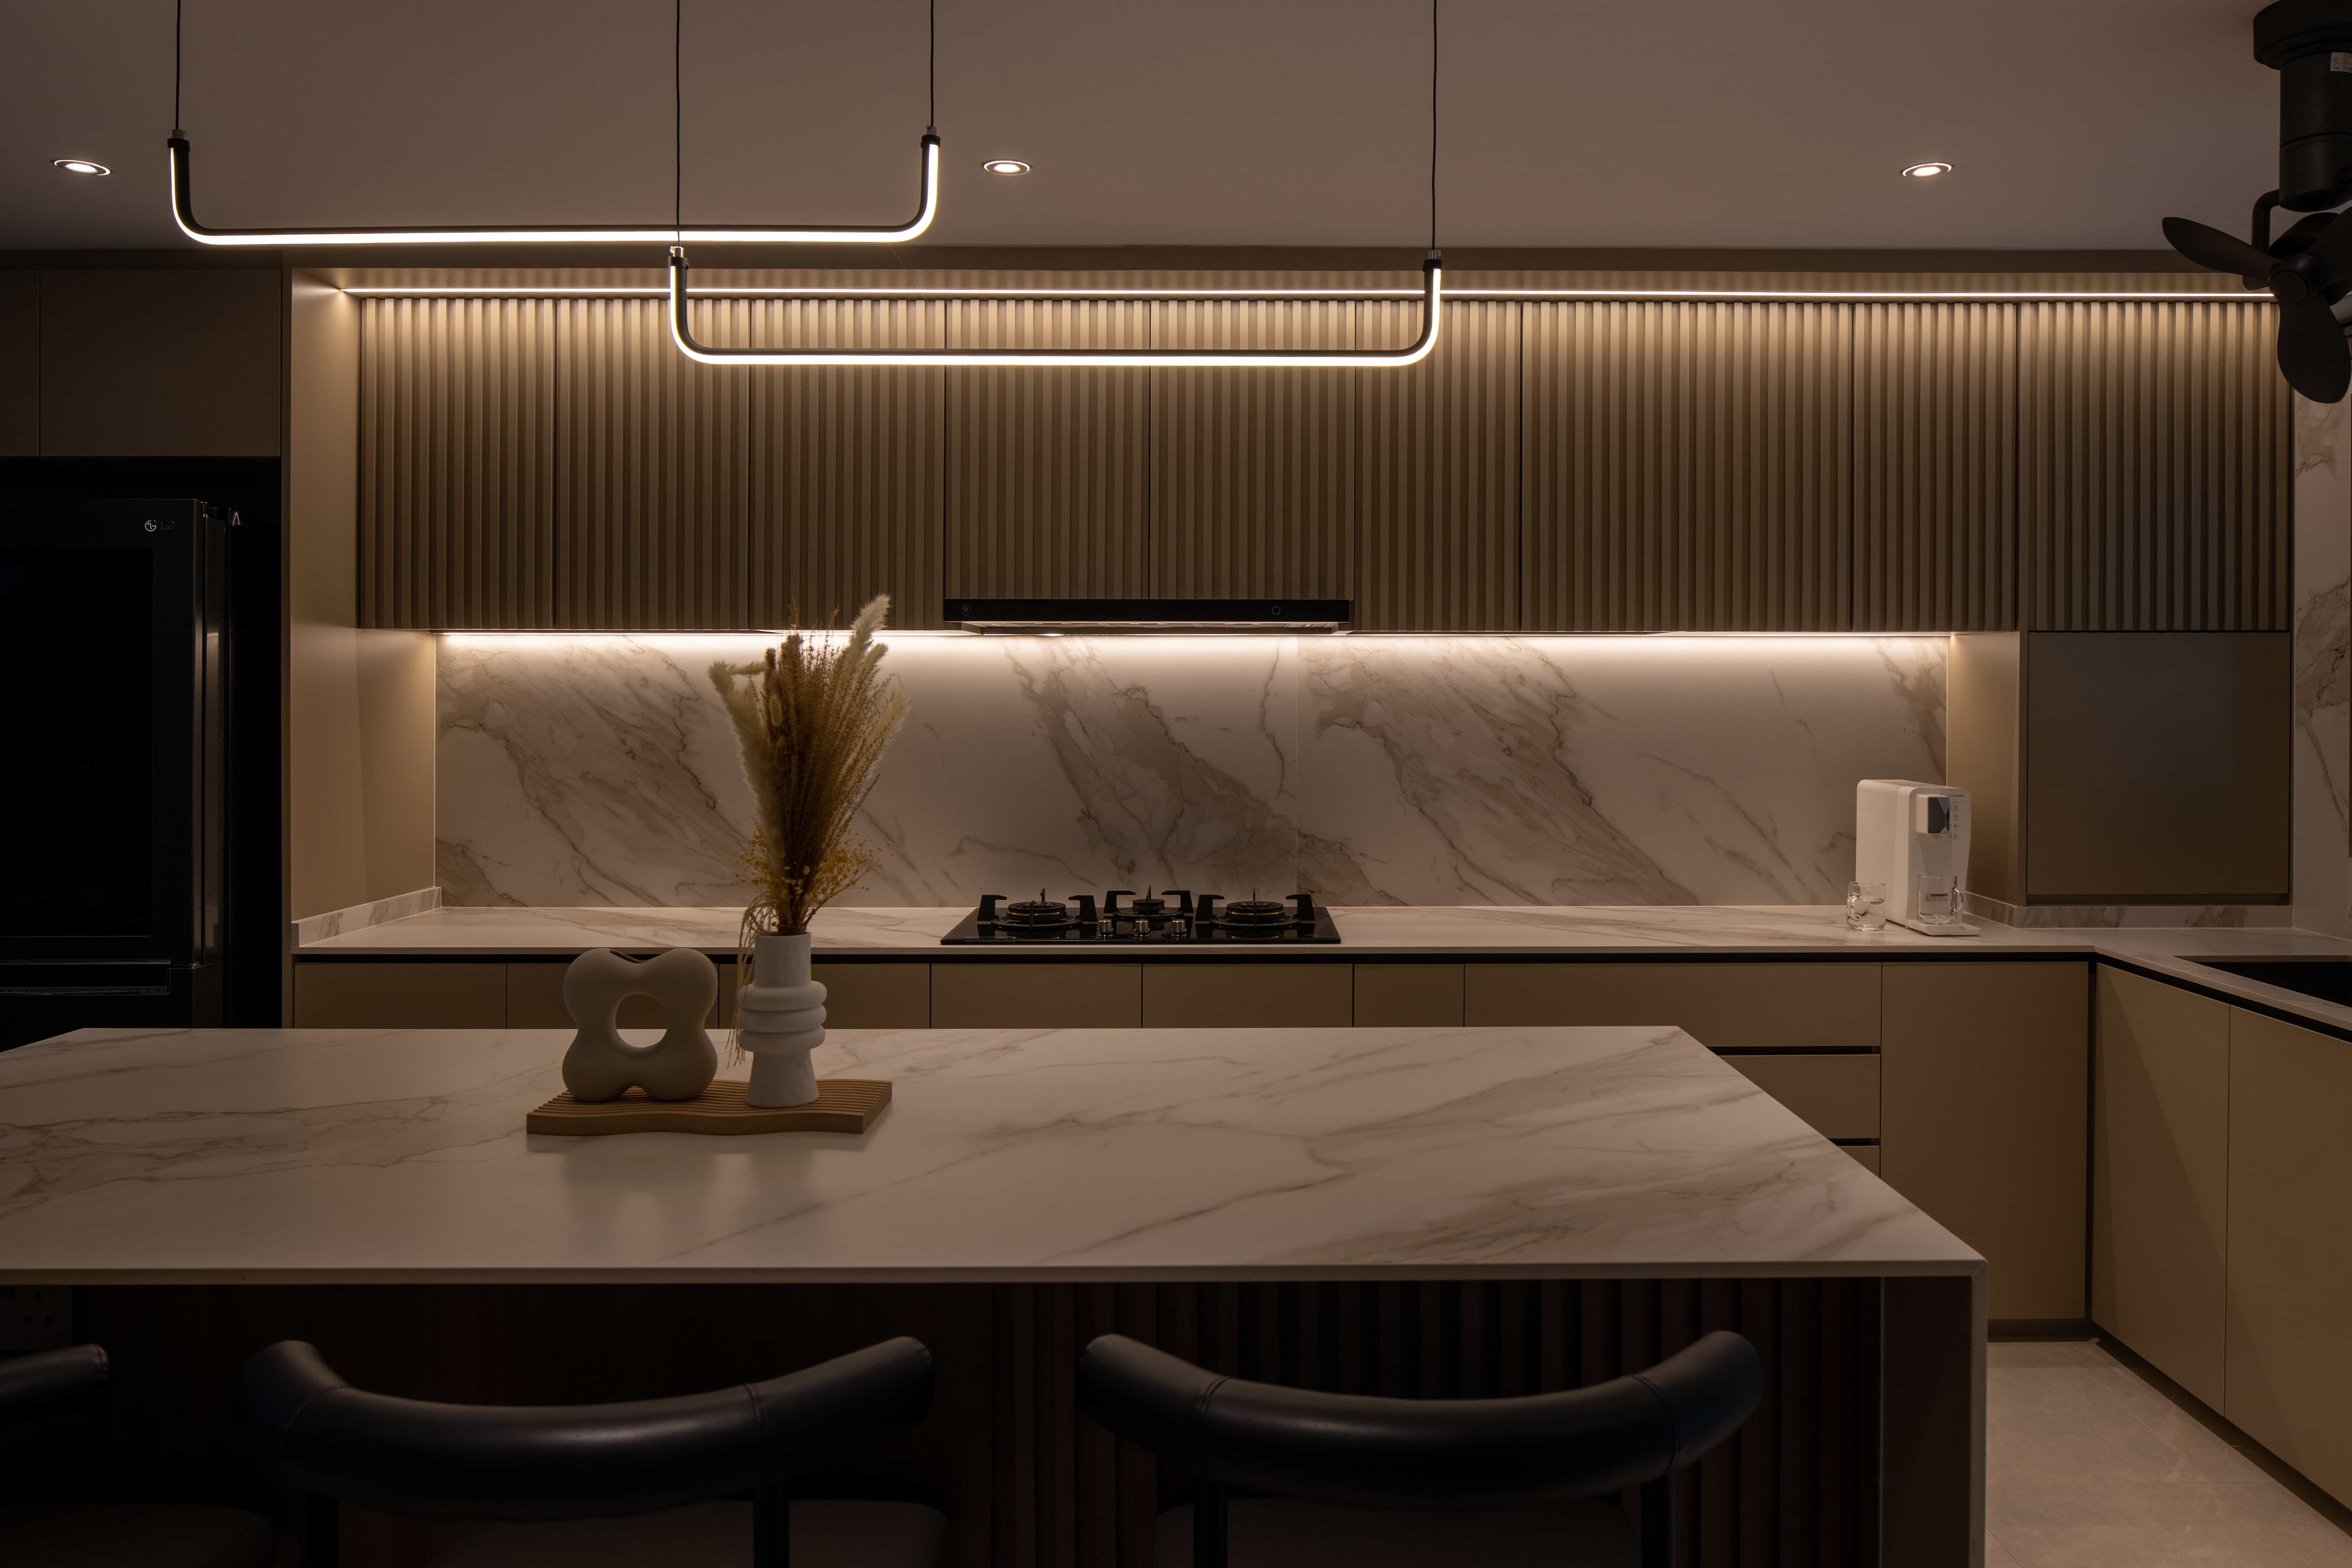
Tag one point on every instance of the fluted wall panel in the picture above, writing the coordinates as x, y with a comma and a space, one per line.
457, 500
1935, 467
1688, 467
1046, 469
1586, 465
2154, 469
1255, 479
1438, 457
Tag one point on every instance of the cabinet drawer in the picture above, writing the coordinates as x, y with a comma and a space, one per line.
1837, 1096
876, 995
1271, 995
1408, 994
400, 996
1080, 995
1772, 1005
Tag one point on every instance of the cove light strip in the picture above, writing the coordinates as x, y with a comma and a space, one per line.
1431, 270
827, 291
184, 213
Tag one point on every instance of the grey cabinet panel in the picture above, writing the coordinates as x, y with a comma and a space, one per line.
2159, 1176
161, 364
1836, 1095
1726, 1006
1408, 994
876, 995
2156, 766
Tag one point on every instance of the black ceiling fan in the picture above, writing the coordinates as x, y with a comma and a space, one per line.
2308, 269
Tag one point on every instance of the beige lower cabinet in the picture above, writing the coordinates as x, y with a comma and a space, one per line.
1836, 1095
2288, 1339
1082, 993
1984, 1104
1768, 1006
876, 995
2159, 1176
1265, 995
400, 996
1408, 994
535, 999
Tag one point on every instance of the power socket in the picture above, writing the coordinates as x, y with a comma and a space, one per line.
35, 1318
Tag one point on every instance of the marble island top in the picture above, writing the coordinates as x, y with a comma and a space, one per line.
1703, 930
1039, 1154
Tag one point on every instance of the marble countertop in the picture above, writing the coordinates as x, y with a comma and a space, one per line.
1714, 931
1052, 1155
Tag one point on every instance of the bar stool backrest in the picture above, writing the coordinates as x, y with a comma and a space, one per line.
341, 1444
1634, 1431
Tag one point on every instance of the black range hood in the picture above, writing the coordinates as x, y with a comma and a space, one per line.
1148, 615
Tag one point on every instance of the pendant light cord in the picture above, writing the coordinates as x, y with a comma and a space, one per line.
1433, 124
177, 28
934, 117
678, 116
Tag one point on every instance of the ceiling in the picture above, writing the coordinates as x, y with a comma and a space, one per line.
2073, 125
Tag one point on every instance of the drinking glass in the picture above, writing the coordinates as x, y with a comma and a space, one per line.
1939, 898
1865, 906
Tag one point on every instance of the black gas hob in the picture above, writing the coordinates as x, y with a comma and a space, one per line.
1171, 917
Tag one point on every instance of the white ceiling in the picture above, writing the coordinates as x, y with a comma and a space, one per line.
1715, 123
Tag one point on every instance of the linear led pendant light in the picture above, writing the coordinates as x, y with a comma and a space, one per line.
184, 213
681, 331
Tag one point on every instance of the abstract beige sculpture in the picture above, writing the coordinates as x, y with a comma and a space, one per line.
600, 1064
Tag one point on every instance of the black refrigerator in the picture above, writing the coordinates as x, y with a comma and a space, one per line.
114, 793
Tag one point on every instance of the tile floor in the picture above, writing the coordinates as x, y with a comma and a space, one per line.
2088, 1465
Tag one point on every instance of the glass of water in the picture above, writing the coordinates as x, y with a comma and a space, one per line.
1939, 898
1865, 906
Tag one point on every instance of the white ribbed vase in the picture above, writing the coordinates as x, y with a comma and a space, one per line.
779, 1020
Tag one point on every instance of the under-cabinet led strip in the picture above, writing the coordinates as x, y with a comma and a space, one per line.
949, 292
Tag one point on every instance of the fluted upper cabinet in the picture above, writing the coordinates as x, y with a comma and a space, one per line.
1589, 466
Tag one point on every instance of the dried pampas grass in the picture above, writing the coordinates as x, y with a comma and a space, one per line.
814, 719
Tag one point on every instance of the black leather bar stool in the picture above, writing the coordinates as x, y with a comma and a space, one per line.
58, 1397
1533, 1464
642, 1482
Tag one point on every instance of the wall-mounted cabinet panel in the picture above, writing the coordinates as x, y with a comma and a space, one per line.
20, 364
1045, 494
1437, 460
2153, 468
1686, 466
1253, 477
458, 456
1935, 467
654, 490
845, 466
161, 364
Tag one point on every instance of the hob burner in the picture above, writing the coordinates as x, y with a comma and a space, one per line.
1173, 915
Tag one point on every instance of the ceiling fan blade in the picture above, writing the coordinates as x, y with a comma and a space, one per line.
2312, 353
2209, 246
2333, 248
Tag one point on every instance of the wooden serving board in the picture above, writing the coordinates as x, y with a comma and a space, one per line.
842, 1105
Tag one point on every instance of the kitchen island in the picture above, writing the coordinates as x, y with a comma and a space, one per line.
1450, 1210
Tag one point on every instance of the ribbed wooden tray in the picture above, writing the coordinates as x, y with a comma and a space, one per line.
842, 1105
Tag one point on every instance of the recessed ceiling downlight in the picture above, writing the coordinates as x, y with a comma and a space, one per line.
1926, 171
1005, 166
80, 166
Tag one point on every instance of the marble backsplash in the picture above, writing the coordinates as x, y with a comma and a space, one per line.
1413, 770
